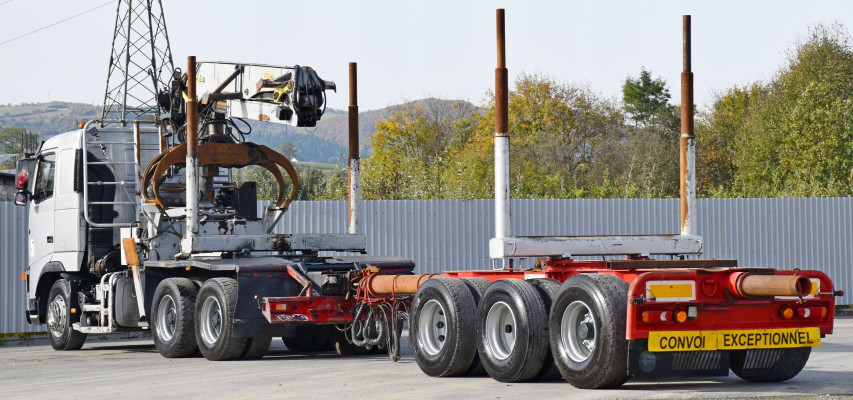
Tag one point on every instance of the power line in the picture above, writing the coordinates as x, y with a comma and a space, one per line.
7, 1
55, 23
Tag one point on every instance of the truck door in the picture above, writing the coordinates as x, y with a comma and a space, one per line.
41, 232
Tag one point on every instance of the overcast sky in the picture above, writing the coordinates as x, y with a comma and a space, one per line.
414, 49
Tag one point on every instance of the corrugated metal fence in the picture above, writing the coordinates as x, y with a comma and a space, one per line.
810, 233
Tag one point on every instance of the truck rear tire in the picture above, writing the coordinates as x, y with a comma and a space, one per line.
309, 338
478, 287
787, 366
173, 318
256, 347
511, 320
441, 327
214, 313
59, 318
548, 289
587, 331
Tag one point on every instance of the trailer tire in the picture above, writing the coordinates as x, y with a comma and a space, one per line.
511, 318
309, 338
59, 318
214, 313
478, 287
789, 364
441, 327
256, 347
599, 300
548, 289
173, 318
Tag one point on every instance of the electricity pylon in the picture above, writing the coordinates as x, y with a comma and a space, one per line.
140, 62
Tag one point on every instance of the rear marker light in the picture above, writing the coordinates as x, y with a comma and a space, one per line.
680, 316
655, 316
811, 312
786, 312
24, 276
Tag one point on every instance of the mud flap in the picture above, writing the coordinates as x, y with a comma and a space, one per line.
255, 283
643, 364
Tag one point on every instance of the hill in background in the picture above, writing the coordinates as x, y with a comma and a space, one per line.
326, 143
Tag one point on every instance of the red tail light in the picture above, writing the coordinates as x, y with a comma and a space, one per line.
811, 312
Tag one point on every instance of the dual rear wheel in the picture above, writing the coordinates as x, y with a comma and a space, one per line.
523, 330
188, 319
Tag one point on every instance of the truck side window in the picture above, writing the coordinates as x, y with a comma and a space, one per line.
45, 178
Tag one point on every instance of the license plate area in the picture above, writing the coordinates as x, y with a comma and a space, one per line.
666, 341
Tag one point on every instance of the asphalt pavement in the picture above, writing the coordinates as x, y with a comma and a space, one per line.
132, 369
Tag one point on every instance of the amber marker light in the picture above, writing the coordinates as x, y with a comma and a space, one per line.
786, 312
679, 316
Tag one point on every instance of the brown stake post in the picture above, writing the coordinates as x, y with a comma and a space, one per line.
686, 145
501, 81
192, 110
353, 163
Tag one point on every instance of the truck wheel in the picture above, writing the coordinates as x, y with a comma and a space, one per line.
59, 318
548, 289
441, 327
511, 320
478, 287
173, 318
256, 347
214, 312
787, 366
309, 338
587, 331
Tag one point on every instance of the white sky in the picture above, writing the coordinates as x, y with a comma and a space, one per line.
412, 49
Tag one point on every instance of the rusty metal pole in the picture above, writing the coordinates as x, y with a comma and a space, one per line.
503, 215
687, 144
354, 161
191, 160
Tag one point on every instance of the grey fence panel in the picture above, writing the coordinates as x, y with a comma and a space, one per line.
806, 233
13, 262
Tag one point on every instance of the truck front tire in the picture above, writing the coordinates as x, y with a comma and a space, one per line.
214, 316
59, 318
173, 318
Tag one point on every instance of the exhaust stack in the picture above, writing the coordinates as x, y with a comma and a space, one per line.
503, 222
354, 162
687, 144
192, 194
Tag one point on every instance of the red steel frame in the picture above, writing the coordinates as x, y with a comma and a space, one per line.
718, 307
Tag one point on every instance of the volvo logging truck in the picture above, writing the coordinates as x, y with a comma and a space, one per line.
145, 227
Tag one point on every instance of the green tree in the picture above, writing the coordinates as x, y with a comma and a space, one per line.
17, 141
644, 97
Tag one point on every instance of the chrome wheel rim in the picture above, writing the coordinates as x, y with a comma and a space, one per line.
500, 330
578, 332
432, 328
167, 318
211, 320
57, 316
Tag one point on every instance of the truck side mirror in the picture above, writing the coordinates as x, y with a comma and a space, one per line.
22, 182
22, 197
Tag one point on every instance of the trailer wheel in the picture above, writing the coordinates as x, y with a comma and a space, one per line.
587, 331
256, 347
478, 287
511, 320
309, 338
441, 327
214, 312
59, 318
787, 366
173, 318
548, 289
